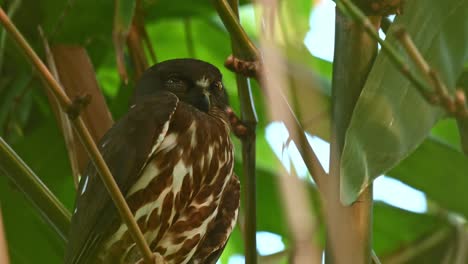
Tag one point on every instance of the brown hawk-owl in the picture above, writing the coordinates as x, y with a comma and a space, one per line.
172, 158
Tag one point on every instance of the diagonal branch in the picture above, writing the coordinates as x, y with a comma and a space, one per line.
254, 68
347, 6
456, 105
249, 119
72, 110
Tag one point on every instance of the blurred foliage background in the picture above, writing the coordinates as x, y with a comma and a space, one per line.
179, 28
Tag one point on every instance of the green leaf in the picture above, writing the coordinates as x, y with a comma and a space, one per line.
439, 171
391, 118
446, 131
395, 228
30, 239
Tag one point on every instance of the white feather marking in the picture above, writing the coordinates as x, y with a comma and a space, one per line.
156, 205
132, 106
169, 142
85, 185
172, 247
116, 236
210, 152
161, 137
203, 82
180, 170
150, 172
148, 208
76, 210
192, 130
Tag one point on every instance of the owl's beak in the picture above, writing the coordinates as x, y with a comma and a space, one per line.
206, 101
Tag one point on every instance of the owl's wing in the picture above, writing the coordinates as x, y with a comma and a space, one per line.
126, 148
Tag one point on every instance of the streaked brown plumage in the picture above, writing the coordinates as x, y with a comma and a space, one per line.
172, 158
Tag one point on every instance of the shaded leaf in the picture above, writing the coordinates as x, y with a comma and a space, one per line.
410, 226
391, 118
45, 153
439, 171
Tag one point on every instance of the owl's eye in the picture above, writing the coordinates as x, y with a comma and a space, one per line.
175, 84
218, 86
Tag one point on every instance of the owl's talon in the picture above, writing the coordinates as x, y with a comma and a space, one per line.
250, 69
238, 127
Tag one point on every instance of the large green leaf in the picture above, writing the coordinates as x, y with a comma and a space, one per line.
45, 153
391, 118
439, 171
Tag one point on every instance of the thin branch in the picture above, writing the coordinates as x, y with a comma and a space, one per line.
254, 69
85, 136
438, 96
407, 253
395, 57
135, 45
50, 208
4, 259
63, 121
139, 22
249, 119
232, 24
301, 219
455, 106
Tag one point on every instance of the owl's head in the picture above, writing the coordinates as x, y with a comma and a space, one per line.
195, 82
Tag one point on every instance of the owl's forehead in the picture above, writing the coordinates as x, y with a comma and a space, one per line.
197, 71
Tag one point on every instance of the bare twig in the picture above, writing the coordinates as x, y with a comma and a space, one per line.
395, 57
299, 212
85, 136
139, 17
455, 106
301, 220
310, 158
249, 119
61, 117
136, 49
4, 259
408, 253
232, 24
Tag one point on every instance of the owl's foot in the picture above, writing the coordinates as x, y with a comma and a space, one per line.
238, 127
247, 68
